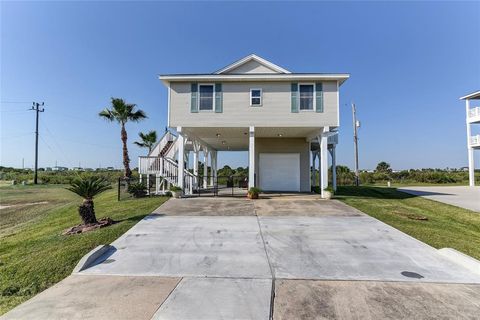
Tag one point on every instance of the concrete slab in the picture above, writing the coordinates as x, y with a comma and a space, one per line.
310, 205
188, 246
353, 248
93, 297
301, 299
217, 298
460, 196
207, 207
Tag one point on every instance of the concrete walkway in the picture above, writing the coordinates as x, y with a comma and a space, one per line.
460, 196
198, 259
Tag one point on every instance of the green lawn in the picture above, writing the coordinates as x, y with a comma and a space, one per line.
447, 226
33, 252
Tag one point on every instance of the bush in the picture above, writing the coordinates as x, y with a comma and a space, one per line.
137, 189
175, 188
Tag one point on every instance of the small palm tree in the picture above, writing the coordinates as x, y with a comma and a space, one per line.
88, 187
148, 140
122, 112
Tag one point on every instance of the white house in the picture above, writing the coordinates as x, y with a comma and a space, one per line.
285, 120
473, 141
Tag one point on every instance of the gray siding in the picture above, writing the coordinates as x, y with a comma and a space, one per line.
286, 145
275, 111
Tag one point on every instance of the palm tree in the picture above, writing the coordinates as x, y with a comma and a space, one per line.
122, 112
88, 187
148, 140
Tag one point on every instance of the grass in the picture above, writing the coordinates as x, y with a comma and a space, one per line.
34, 254
445, 226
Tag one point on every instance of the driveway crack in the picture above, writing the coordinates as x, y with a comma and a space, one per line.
272, 292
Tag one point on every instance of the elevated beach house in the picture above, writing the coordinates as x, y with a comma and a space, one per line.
286, 121
473, 140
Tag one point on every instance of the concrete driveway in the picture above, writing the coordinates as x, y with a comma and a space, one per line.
291, 257
460, 196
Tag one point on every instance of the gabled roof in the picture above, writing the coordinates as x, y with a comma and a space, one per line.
249, 58
471, 96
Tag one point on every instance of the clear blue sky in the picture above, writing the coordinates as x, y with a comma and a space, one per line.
409, 63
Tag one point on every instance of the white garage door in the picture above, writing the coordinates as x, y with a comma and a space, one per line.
279, 171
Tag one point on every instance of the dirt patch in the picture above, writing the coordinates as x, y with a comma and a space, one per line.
81, 228
22, 204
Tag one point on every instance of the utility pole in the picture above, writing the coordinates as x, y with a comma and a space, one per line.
356, 125
36, 107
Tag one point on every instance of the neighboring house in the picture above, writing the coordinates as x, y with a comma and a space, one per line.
473, 141
286, 121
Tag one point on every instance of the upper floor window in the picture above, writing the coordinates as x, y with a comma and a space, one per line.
206, 93
255, 97
306, 96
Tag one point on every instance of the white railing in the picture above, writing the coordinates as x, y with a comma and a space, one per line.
167, 169
475, 140
168, 136
474, 112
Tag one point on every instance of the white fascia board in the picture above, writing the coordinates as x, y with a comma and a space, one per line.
341, 77
252, 57
474, 95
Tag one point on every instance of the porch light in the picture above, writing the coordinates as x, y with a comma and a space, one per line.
218, 135
280, 135
224, 142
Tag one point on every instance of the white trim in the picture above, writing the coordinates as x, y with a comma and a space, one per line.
254, 57
168, 107
261, 97
314, 104
338, 104
213, 97
253, 77
474, 95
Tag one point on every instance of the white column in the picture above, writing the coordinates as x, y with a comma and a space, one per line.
157, 184
334, 168
471, 162
212, 165
324, 160
196, 150
251, 158
319, 169
213, 178
205, 168
181, 157
312, 169
148, 184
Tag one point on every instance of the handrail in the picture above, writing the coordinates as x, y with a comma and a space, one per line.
167, 136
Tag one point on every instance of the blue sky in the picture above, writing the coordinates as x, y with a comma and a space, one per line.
409, 63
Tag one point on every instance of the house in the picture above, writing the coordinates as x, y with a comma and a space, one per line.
473, 141
286, 121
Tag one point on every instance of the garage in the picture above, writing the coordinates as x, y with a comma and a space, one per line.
279, 171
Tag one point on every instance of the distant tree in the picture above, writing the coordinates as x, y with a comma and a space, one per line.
88, 187
147, 140
123, 112
342, 169
383, 167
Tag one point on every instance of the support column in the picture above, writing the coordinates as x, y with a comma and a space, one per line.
324, 160
251, 158
213, 177
157, 184
312, 169
319, 169
334, 167
181, 157
196, 150
205, 167
471, 162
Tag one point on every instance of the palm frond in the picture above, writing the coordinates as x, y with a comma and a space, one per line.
88, 187
137, 116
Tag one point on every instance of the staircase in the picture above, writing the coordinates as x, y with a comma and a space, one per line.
160, 163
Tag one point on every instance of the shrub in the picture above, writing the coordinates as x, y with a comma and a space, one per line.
137, 189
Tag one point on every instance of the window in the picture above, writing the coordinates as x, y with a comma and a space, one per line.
255, 97
306, 96
205, 97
